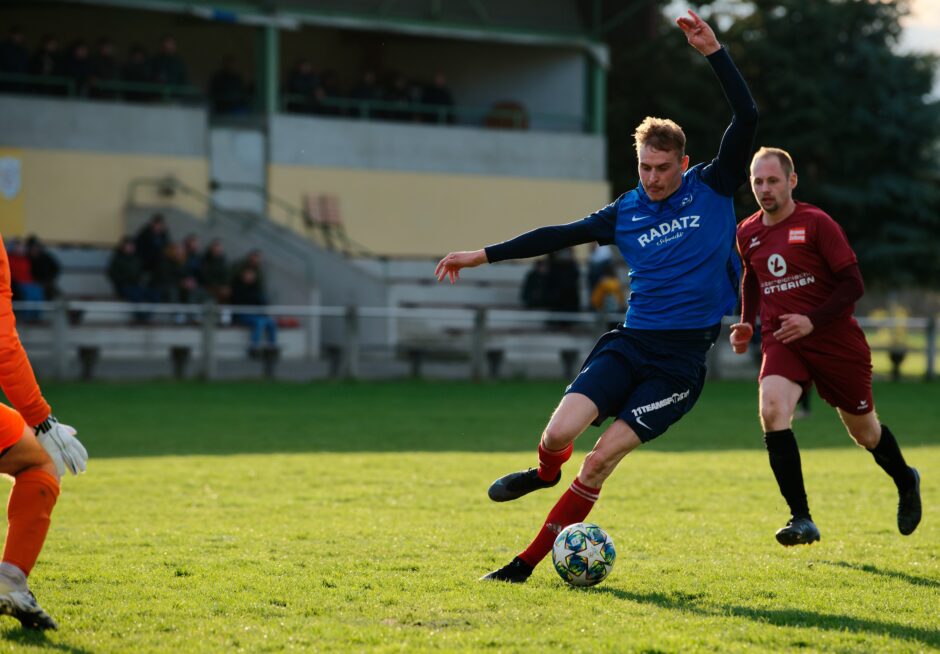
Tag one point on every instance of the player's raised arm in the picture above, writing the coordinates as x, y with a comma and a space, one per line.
729, 170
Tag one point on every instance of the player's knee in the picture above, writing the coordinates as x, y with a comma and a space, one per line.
595, 469
773, 412
865, 436
557, 436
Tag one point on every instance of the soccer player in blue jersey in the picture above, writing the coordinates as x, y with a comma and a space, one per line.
676, 231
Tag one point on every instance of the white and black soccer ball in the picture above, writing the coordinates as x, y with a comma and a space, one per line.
583, 554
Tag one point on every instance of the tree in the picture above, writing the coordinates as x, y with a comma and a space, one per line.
833, 90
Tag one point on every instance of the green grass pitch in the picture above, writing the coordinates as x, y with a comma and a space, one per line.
353, 517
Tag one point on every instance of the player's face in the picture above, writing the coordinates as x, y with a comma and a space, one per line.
772, 188
660, 171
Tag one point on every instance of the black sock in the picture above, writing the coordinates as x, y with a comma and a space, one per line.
888, 455
785, 462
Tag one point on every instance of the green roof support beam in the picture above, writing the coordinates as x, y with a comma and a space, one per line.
268, 65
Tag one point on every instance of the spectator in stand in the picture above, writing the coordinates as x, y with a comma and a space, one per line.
303, 87
192, 290
104, 69
247, 290
167, 66
215, 272
536, 293
399, 98
126, 273
47, 62
137, 71
25, 288
166, 280
441, 100
78, 67
228, 92
366, 92
251, 260
151, 242
14, 58
45, 267
564, 281
330, 92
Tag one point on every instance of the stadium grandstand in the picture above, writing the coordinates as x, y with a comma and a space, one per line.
350, 142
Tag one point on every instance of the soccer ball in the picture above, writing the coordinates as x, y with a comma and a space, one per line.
583, 554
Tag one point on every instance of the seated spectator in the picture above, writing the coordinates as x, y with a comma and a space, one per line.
191, 286
251, 260
137, 71
44, 266
228, 92
215, 272
564, 281
366, 92
151, 242
248, 291
536, 293
14, 59
330, 95
303, 87
440, 100
24, 286
167, 66
78, 67
166, 279
400, 98
126, 273
104, 69
47, 62
607, 293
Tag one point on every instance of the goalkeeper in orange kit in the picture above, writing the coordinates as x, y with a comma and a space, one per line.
35, 450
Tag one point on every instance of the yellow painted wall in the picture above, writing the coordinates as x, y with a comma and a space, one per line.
408, 213
79, 197
12, 214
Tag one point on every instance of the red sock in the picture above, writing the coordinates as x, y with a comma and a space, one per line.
31, 500
550, 461
573, 507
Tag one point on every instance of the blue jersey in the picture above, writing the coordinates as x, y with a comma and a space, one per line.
684, 267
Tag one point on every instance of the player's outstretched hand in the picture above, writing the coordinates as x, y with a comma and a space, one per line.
66, 451
741, 334
792, 327
450, 265
698, 33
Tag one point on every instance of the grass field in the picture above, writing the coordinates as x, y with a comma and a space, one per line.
353, 517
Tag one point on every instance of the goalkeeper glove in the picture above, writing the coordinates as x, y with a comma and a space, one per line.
59, 441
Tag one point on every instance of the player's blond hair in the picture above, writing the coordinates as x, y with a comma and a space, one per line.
786, 161
660, 134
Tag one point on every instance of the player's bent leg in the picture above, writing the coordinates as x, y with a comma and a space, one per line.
34, 494
576, 503
573, 415
884, 448
616, 442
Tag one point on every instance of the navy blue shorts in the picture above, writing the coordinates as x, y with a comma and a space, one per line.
647, 378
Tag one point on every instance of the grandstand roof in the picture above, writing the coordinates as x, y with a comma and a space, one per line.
546, 22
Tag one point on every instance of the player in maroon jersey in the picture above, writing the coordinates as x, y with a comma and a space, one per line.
803, 276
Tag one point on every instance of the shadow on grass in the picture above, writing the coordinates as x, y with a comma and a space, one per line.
166, 418
782, 617
914, 580
25, 637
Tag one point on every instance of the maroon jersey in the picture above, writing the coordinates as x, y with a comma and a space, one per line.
794, 262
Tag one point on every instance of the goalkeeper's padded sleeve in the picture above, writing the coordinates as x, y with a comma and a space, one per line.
16, 374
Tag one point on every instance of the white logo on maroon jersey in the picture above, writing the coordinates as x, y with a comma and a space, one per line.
776, 265
797, 235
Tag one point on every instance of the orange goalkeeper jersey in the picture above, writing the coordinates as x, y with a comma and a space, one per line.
16, 374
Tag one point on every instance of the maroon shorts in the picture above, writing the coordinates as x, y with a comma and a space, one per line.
837, 359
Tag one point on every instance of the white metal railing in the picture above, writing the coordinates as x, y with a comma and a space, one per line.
479, 335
